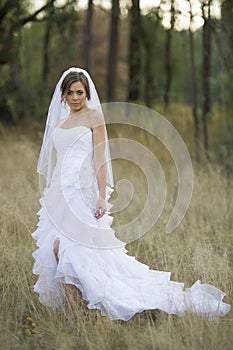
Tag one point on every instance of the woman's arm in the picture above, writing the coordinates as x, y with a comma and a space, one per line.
98, 129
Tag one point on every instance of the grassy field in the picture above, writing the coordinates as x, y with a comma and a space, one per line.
200, 248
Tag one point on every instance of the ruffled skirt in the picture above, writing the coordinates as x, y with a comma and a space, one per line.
109, 279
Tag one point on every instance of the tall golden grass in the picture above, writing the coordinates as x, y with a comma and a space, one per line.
200, 248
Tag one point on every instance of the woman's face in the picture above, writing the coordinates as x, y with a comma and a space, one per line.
76, 96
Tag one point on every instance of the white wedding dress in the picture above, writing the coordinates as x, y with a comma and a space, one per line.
90, 255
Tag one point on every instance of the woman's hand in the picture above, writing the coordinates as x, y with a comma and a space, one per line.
100, 208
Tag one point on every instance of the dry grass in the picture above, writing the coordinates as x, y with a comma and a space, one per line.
200, 248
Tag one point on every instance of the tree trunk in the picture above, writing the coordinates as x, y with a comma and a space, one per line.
113, 48
149, 32
194, 88
88, 36
167, 69
135, 64
206, 56
227, 33
21, 98
168, 65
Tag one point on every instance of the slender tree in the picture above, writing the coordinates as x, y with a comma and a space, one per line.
88, 36
227, 33
150, 24
168, 58
193, 85
113, 49
206, 68
135, 54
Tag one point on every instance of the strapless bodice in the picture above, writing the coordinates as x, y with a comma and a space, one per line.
78, 136
74, 156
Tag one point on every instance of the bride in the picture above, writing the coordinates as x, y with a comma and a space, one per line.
79, 257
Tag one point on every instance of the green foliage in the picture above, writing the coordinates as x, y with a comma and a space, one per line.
25, 90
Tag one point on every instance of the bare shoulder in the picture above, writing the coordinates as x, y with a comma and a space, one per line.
96, 118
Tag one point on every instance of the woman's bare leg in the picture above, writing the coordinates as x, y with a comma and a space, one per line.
56, 244
73, 294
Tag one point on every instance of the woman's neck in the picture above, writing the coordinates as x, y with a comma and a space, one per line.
77, 113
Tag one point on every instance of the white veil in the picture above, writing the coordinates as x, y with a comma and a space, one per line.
57, 113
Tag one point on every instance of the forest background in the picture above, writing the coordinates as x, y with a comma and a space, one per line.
175, 53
